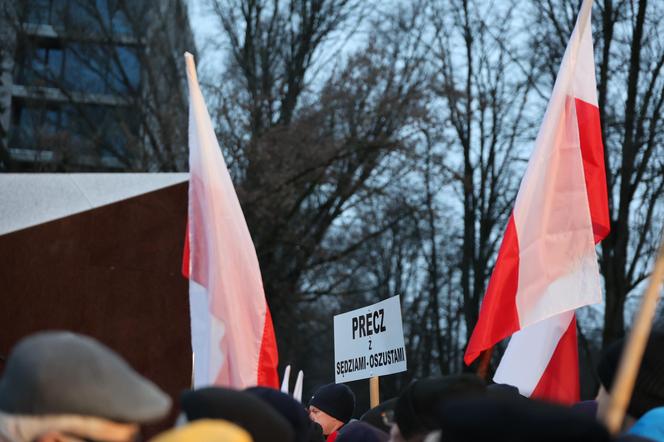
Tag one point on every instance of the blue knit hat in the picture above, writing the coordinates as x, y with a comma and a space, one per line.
650, 425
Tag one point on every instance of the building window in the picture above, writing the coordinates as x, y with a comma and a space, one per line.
81, 67
85, 69
124, 71
107, 17
89, 15
39, 63
44, 12
120, 23
73, 130
37, 126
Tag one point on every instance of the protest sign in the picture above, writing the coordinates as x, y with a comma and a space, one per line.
369, 342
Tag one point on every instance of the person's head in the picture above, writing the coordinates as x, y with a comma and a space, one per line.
244, 409
381, 415
650, 425
332, 406
414, 415
61, 384
515, 419
205, 430
649, 386
289, 408
358, 431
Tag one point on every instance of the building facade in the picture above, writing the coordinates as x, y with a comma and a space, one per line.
93, 85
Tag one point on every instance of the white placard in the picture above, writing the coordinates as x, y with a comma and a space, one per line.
369, 342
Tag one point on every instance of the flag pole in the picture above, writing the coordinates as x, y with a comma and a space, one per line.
483, 366
586, 9
193, 368
374, 394
613, 413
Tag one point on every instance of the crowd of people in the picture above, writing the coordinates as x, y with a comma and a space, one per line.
62, 386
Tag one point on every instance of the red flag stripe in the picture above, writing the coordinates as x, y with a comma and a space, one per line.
560, 380
185, 253
269, 356
498, 315
592, 152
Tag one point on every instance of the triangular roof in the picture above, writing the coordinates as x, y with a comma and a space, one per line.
29, 199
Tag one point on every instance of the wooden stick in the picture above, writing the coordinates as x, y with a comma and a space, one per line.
374, 395
483, 366
613, 414
193, 368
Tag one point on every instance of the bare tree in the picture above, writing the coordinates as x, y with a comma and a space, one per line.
483, 115
4, 153
311, 159
461, 166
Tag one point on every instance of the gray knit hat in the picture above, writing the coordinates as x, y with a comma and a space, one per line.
66, 373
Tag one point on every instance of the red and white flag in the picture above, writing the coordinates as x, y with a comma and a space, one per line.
231, 329
547, 264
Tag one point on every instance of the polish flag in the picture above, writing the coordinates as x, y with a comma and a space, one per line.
231, 329
547, 265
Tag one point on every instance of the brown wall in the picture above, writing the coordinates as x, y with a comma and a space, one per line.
112, 273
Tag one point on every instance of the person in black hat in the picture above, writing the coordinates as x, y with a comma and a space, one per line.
414, 412
263, 423
514, 419
332, 406
380, 415
305, 429
649, 386
358, 431
61, 386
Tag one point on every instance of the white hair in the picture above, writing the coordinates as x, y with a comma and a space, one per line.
23, 428
434, 436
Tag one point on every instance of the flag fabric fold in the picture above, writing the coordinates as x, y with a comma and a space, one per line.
547, 264
231, 328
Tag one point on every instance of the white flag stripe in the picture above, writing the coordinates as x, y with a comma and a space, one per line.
538, 342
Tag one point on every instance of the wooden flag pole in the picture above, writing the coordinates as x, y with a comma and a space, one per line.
374, 394
613, 414
483, 366
193, 368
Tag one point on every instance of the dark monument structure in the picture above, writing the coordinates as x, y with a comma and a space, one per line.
112, 272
